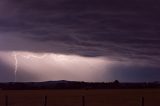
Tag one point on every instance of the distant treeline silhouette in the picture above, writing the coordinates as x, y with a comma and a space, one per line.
75, 85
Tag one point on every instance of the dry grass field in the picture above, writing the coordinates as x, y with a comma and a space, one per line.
121, 97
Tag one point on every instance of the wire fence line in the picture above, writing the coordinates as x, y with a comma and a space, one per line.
82, 101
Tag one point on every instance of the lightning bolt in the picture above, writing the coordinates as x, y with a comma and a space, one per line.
27, 56
34, 56
16, 66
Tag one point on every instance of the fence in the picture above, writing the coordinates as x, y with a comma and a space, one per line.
82, 101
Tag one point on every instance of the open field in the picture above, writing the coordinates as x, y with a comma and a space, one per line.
117, 97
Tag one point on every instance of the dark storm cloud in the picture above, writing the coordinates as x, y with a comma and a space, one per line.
120, 29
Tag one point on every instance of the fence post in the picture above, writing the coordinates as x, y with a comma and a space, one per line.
83, 100
6, 100
45, 101
142, 101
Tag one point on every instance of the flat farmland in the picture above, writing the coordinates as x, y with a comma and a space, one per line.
116, 97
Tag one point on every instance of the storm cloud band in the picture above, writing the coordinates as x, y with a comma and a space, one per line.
121, 30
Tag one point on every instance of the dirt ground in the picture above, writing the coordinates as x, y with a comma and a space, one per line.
121, 97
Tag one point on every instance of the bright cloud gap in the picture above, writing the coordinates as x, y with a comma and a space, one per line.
51, 66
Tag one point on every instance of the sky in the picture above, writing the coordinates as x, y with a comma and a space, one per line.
80, 40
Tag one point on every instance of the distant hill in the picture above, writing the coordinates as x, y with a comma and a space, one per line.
62, 84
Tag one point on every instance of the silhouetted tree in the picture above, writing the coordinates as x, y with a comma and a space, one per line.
116, 82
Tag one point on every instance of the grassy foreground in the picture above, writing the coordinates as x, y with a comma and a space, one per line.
116, 97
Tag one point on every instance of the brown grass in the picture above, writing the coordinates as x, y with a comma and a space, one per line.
124, 97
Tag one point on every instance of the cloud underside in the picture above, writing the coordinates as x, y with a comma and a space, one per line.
121, 30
